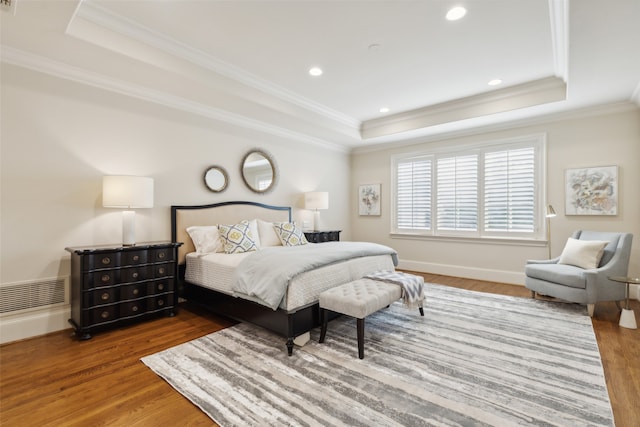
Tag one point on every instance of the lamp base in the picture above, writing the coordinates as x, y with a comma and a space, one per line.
128, 228
316, 220
628, 319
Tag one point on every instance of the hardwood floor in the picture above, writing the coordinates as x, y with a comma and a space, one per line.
56, 380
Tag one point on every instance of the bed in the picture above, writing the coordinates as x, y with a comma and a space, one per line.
208, 277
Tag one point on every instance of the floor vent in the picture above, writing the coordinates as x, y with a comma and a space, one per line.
17, 297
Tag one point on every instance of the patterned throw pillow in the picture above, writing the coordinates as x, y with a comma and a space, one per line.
289, 234
237, 238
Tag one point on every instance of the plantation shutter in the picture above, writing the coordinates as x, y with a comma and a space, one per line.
457, 193
509, 190
413, 193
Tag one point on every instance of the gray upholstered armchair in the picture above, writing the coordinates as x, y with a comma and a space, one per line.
583, 286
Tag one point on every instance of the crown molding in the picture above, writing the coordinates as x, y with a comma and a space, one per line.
577, 113
131, 29
61, 70
542, 91
559, 16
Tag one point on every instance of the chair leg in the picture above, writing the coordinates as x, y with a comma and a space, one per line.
591, 309
421, 311
360, 326
323, 325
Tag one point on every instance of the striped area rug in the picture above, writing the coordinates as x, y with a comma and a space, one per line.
475, 359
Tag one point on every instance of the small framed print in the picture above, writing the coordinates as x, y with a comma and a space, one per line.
369, 199
591, 191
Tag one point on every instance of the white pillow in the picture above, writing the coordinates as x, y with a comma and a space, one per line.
253, 226
582, 253
268, 235
206, 238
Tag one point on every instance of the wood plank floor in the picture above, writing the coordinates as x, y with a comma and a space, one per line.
56, 380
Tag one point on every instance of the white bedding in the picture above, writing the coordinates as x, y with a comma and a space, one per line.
215, 271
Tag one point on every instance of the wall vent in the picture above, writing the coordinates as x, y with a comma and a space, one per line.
33, 295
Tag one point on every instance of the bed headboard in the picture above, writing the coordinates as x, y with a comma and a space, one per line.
219, 213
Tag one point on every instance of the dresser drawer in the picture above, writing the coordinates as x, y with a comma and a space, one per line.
134, 274
137, 290
97, 279
134, 257
133, 308
163, 270
101, 260
161, 254
103, 314
100, 297
159, 287
158, 302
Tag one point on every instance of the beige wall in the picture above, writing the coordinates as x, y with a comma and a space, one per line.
59, 138
602, 140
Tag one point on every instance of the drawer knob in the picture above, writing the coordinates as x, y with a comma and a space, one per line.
104, 314
161, 287
134, 308
136, 257
161, 255
160, 303
135, 275
136, 291
161, 270
106, 278
106, 260
104, 296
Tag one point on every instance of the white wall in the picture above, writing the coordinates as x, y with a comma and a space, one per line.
602, 140
59, 138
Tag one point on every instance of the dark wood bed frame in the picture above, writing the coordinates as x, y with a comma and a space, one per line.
288, 324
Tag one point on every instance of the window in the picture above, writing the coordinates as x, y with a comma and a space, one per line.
488, 190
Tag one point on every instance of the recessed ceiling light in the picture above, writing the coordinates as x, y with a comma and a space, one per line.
495, 82
384, 109
315, 71
456, 13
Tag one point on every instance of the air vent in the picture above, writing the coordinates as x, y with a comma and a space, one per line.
16, 297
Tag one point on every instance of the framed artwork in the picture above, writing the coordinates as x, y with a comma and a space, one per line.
369, 199
591, 191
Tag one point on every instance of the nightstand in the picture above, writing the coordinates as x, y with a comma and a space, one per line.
322, 236
114, 284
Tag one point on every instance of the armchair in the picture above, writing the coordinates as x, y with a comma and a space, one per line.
575, 284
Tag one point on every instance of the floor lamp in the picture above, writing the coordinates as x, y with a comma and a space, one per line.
551, 213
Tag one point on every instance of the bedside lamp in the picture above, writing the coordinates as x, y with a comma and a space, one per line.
551, 213
127, 192
315, 201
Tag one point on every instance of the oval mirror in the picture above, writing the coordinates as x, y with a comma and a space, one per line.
216, 179
259, 171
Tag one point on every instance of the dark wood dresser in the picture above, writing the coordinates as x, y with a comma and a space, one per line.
322, 236
114, 284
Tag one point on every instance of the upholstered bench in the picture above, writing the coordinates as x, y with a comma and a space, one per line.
358, 299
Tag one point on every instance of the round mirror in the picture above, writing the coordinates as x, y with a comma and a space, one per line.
259, 171
215, 178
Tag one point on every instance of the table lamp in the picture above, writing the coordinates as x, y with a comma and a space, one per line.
315, 201
128, 193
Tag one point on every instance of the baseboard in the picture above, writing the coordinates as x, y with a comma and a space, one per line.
34, 323
502, 276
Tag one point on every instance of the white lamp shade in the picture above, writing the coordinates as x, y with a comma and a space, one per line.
128, 192
316, 200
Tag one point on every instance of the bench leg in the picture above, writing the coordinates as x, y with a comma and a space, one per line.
421, 311
323, 325
360, 326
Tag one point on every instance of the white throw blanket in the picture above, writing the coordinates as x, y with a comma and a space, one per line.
412, 286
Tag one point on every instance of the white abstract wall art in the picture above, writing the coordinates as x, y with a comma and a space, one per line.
369, 199
591, 191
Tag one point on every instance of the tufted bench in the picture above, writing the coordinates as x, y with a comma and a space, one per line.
358, 299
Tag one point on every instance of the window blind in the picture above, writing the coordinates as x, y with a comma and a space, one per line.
413, 193
457, 193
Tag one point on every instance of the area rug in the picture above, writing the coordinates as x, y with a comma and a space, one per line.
474, 359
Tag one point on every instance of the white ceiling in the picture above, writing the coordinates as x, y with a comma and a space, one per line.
246, 62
